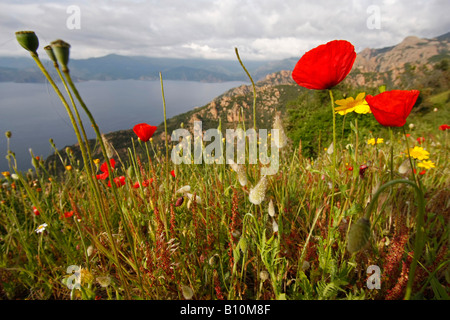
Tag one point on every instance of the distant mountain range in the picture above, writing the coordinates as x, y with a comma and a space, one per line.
412, 50
413, 63
115, 67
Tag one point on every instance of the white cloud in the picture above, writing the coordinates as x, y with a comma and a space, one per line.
262, 29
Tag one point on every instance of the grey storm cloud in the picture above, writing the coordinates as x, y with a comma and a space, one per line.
261, 29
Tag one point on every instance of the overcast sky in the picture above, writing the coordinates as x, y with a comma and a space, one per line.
261, 29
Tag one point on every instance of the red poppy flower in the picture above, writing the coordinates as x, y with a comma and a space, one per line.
145, 183
325, 66
144, 131
391, 108
104, 169
172, 173
119, 181
420, 140
68, 214
36, 211
423, 172
136, 185
444, 127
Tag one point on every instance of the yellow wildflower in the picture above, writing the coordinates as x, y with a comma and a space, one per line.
419, 153
375, 141
426, 164
69, 167
96, 161
359, 105
6, 174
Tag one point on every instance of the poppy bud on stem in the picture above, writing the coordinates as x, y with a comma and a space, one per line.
359, 235
61, 50
51, 55
28, 40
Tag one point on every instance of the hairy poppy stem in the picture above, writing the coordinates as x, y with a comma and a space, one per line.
166, 140
418, 242
88, 149
333, 176
253, 86
409, 156
66, 105
392, 152
113, 184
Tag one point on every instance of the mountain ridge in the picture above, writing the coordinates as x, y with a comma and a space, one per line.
410, 64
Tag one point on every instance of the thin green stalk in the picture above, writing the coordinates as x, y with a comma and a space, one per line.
66, 105
409, 156
253, 86
165, 131
111, 179
88, 149
333, 174
392, 152
418, 244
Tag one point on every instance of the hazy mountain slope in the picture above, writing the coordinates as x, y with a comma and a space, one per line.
414, 63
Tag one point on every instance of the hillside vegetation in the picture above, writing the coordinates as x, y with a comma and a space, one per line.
364, 218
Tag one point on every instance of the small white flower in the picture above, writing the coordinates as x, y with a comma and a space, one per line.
411, 125
41, 228
14, 176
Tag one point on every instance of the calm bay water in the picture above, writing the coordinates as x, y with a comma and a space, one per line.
34, 113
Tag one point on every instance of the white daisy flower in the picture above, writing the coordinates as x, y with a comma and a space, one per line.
41, 228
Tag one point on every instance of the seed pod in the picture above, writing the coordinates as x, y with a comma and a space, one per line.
264, 275
28, 40
104, 281
274, 226
50, 53
240, 170
8, 134
271, 209
187, 292
61, 50
359, 235
179, 202
243, 244
281, 140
